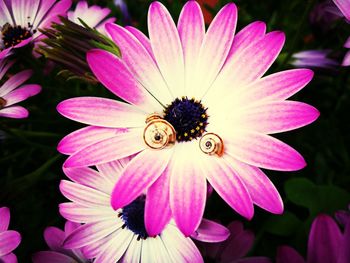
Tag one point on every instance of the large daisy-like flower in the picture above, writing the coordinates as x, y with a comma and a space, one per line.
94, 16
109, 236
197, 108
21, 19
12, 91
9, 239
54, 238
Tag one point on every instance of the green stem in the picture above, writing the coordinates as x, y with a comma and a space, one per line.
21, 184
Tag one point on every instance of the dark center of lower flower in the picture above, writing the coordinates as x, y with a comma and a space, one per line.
188, 117
13, 35
2, 103
133, 217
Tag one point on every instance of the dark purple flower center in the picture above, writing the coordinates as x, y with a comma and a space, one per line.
188, 117
2, 103
133, 217
13, 35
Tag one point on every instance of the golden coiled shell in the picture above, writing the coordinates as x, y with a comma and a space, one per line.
211, 144
158, 133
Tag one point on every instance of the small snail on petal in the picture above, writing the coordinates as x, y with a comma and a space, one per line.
158, 133
211, 144
2, 103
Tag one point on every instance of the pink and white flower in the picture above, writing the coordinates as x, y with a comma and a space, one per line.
54, 238
109, 236
94, 16
13, 91
21, 19
9, 239
221, 135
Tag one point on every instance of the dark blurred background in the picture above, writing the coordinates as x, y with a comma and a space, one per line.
30, 166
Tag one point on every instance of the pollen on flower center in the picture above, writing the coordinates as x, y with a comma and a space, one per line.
2, 103
13, 35
133, 217
188, 117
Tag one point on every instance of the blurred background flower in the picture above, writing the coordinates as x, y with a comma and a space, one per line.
54, 238
314, 59
327, 243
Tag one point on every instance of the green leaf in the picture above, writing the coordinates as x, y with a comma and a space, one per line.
283, 225
317, 199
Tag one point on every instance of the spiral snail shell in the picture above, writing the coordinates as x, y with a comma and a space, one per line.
158, 133
211, 144
2, 103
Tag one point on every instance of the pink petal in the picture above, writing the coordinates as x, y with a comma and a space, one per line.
344, 6
52, 257
116, 248
275, 117
228, 185
138, 175
287, 254
181, 249
249, 35
4, 218
111, 149
15, 112
237, 247
9, 258
80, 214
188, 188
192, 32
251, 63
111, 171
276, 87
90, 233
45, 6
213, 53
157, 208
166, 46
59, 9
83, 195
54, 238
94, 249
142, 39
209, 231
5, 64
102, 112
90, 178
139, 62
21, 94
324, 240
260, 188
84, 137
24, 42
114, 74
9, 240
69, 227
5, 16
15, 81
346, 59
264, 151
6, 52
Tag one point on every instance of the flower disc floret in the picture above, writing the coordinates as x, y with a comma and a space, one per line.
13, 35
188, 117
133, 216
